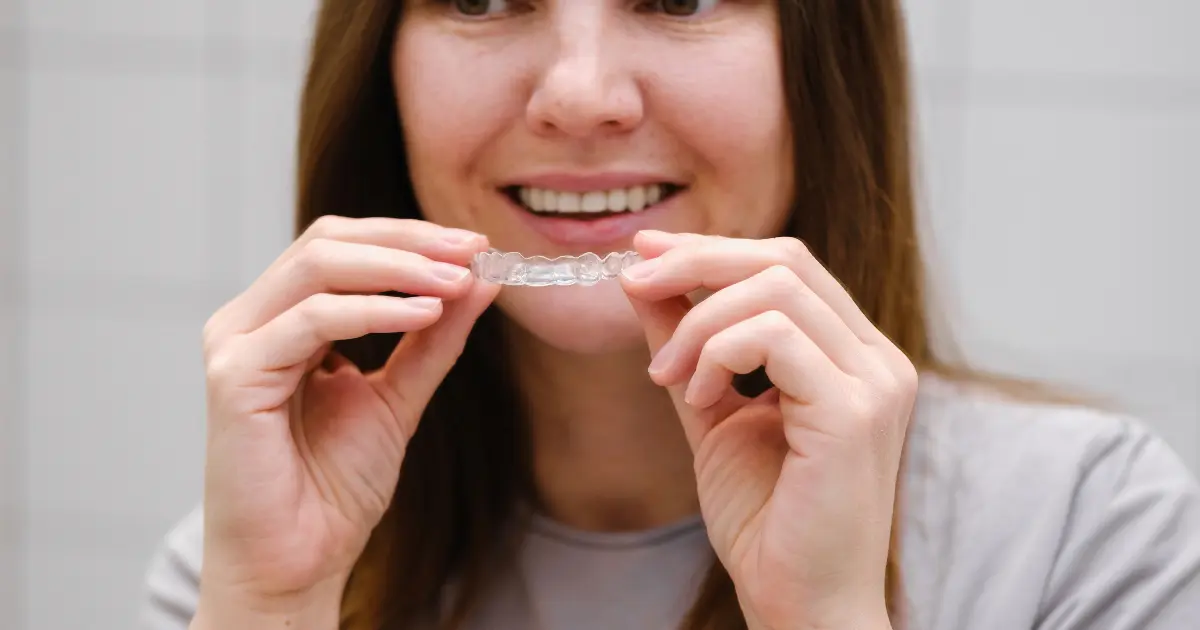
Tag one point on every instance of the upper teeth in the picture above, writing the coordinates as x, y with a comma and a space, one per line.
634, 198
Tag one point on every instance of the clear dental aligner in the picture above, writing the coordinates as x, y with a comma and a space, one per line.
513, 269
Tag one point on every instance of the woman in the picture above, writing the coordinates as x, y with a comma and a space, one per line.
579, 457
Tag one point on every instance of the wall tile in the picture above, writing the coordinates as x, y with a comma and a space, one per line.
1090, 211
939, 136
143, 18
12, 351
225, 179
132, 426
116, 175
280, 20
12, 15
12, 462
927, 39
269, 125
97, 560
103, 55
1099, 37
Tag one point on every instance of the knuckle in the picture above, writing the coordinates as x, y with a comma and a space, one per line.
906, 378
780, 279
864, 406
214, 331
210, 334
221, 367
792, 249
327, 226
312, 308
897, 388
314, 257
776, 323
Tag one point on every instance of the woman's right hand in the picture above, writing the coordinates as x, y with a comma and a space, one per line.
304, 450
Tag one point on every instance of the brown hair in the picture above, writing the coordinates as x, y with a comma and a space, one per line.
846, 86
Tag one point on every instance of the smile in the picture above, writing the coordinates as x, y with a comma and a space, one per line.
590, 204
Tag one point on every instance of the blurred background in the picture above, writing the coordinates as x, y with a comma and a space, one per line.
146, 153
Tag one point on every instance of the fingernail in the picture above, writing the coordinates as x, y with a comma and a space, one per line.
642, 270
425, 303
663, 358
455, 236
450, 273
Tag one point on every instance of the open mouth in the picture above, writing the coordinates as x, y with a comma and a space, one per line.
593, 204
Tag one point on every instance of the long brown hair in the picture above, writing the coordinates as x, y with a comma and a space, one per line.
846, 84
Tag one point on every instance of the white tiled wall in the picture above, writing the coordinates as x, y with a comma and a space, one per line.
12, 389
145, 156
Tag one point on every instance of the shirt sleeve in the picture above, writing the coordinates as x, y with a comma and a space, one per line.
1129, 558
172, 584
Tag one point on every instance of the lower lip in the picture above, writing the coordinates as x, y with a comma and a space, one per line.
596, 233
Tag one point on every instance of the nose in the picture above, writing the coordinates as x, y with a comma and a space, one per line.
586, 89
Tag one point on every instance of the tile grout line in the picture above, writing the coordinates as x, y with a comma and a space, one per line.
225, 78
15, 298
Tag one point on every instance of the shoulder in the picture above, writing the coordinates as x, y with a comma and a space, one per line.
1070, 515
973, 433
172, 581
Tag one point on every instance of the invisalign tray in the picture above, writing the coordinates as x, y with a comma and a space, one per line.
514, 269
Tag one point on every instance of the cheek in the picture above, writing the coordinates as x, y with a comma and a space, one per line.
726, 103
453, 99
727, 97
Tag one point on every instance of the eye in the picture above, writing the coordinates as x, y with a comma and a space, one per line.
686, 8
479, 7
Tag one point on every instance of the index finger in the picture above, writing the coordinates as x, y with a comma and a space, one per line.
431, 240
683, 263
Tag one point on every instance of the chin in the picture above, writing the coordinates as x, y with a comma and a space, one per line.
578, 319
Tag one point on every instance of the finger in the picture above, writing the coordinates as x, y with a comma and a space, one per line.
654, 243
422, 359
296, 335
330, 266
448, 245
794, 362
775, 289
660, 319
434, 241
715, 263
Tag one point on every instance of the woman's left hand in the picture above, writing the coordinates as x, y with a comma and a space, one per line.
797, 485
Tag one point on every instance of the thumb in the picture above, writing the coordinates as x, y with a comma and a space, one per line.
422, 359
659, 319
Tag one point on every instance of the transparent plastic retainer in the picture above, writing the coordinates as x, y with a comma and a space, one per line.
513, 269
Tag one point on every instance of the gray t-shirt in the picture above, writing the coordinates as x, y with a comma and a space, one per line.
1015, 516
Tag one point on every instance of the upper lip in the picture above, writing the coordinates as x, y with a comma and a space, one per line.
585, 182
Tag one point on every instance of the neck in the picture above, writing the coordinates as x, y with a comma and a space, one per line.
608, 451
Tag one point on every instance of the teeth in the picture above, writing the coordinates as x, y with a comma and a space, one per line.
594, 202
637, 199
632, 199
616, 200
567, 202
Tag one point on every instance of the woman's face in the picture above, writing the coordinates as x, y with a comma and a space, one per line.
565, 126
